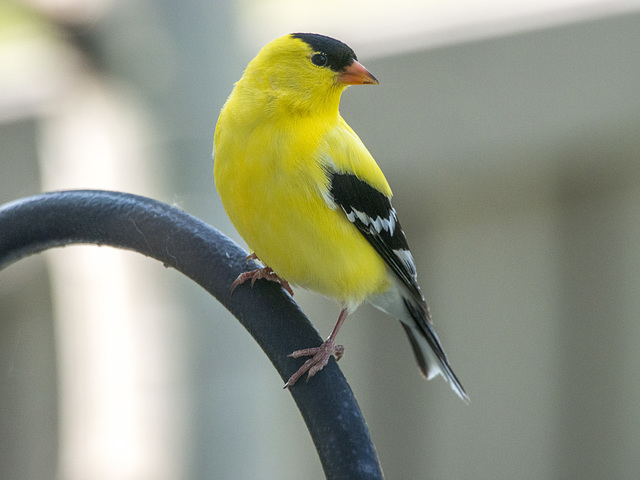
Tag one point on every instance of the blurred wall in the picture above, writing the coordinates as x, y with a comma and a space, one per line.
515, 163
28, 387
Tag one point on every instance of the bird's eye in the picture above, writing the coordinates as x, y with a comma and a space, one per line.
319, 59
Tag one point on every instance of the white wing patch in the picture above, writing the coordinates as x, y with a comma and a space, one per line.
376, 225
407, 261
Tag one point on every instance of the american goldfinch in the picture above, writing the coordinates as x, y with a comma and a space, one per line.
309, 199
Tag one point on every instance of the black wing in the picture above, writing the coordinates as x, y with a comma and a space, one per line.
374, 216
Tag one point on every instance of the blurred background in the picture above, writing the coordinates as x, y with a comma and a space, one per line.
510, 132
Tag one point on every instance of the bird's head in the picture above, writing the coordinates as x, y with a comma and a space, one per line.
306, 71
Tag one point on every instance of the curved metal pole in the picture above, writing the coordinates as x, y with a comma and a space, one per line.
212, 260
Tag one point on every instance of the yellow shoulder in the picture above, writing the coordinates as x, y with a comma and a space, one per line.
349, 155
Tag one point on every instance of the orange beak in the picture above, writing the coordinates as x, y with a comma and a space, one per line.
356, 74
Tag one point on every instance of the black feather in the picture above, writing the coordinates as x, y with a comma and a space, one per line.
372, 213
365, 207
425, 330
339, 55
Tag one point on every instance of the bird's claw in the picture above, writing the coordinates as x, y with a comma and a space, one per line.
260, 273
319, 358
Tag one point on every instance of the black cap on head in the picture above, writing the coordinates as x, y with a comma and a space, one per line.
339, 55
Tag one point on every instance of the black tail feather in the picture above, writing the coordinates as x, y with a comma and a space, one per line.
422, 336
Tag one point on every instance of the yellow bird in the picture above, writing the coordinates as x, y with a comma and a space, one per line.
309, 199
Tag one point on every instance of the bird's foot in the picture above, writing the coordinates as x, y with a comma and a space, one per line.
260, 273
319, 358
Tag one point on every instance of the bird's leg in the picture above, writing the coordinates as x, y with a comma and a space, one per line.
259, 273
319, 355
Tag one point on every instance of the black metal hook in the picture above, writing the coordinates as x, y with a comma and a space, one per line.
212, 260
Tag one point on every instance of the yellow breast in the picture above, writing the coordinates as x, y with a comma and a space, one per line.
271, 179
